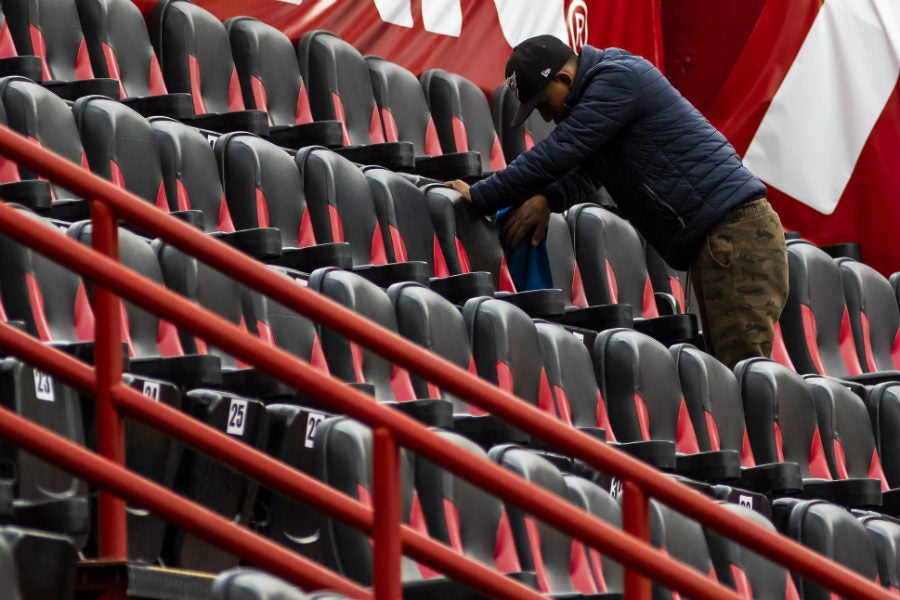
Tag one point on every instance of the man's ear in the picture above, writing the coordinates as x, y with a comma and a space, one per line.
564, 78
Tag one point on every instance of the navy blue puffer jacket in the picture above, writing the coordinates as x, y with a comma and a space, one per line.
672, 174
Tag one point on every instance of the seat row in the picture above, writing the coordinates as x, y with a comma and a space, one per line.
245, 75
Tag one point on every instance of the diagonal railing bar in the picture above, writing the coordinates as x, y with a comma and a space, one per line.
459, 381
189, 516
229, 337
265, 469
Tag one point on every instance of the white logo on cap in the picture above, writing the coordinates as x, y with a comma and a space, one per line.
511, 82
545, 72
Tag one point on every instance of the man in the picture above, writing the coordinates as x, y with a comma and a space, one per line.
672, 174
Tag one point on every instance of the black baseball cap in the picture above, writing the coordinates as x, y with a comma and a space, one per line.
530, 67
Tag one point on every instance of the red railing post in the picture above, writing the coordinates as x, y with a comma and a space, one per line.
113, 537
636, 521
387, 517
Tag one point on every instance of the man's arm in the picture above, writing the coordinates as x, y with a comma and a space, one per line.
606, 106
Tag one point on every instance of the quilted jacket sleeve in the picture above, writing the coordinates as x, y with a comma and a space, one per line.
606, 105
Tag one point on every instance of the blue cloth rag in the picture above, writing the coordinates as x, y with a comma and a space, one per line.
528, 265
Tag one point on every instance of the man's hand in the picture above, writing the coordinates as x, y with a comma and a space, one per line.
460, 186
533, 215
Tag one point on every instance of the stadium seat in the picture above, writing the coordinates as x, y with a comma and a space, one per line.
516, 140
120, 146
342, 207
507, 351
751, 575
885, 535
343, 460
51, 30
468, 241
541, 548
563, 266
291, 439
883, 403
405, 116
226, 297
409, 234
190, 174
119, 47
44, 564
874, 315
815, 321
462, 117
208, 482
610, 256
340, 89
647, 410
192, 45
432, 321
604, 573
848, 440
8, 572
831, 531
44, 496
267, 68
152, 344
464, 516
349, 361
243, 583
681, 538
576, 395
37, 113
263, 189
713, 397
780, 412
11, 63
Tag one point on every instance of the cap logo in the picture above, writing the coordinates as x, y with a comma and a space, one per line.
513, 85
545, 72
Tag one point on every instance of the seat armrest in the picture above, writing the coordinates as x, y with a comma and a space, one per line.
458, 165
488, 430
188, 371
670, 329
191, 217
781, 478
714, 466
254, 383
307, 260
657, 453
391, 273
597, 317
262, 243
30, 193
852, 493
73, 90
459, 288
397, 156
890, 502
83, 351
26, 66
432, 412
874, 378
318, 133
176, 106
538, 304
70, 210
251, 121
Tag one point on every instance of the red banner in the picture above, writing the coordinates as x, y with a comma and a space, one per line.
820, 125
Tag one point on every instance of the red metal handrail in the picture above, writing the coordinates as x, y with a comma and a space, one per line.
411, 434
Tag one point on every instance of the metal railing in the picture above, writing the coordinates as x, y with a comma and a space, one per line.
391, 428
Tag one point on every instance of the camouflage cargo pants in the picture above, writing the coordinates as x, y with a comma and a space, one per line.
740, 279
